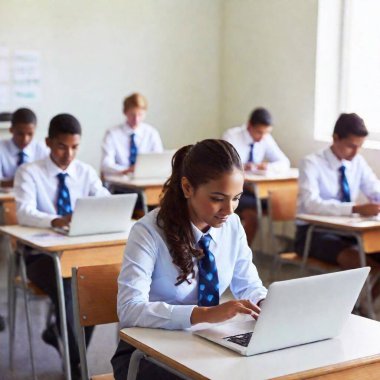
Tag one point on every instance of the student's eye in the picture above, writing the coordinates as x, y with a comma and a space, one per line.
215, 199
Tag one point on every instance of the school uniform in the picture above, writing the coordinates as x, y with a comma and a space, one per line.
321, 192
36, 189
10, 156
148, 296
116, 148
256, 152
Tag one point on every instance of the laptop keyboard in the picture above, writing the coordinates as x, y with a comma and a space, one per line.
241, 339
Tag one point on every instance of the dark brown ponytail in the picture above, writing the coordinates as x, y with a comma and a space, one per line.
207, 160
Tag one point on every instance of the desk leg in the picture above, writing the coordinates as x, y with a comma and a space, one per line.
134, 364
25, 288
363, 263
11, 300
306, 250
62, 315
260, 223
144, 202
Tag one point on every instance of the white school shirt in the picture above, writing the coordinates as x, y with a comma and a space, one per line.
116, 143
9, 156
147, 294
36, 189
264, 150
319, 184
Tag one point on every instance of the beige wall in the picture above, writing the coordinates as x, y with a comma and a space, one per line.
202, 64
96, 52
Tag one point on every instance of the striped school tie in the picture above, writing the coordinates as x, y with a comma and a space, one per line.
344, 186
132, 150
208, 284
250, 156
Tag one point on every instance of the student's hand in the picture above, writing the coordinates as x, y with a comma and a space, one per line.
6, 183
61, 222
262, 166
368, 209
224, 311
249, 167
131, 169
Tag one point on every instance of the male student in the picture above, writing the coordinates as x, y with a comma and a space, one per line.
21, 148
123, 143
258, 151
46, 192
329, 184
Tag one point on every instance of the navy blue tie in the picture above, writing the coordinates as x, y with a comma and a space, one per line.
250, 157
132, 150
63, 199
208, 286
21, 157
344, 186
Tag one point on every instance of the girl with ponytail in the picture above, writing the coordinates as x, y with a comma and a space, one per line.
182, 256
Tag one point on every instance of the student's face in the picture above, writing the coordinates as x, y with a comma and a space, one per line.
63, 149
348, 147
211, 203
134, 116
259, 131
22, 134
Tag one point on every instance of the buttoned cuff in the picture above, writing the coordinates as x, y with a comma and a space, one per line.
181, 315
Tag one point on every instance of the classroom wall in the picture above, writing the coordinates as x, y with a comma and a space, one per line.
94, 53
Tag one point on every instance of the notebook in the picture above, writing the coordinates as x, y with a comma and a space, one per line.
153, 165
98, 215
295, 312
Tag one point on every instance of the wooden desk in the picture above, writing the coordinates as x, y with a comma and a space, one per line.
261, 185
366, 231
7, 208
150, 188
354, 354
68, 252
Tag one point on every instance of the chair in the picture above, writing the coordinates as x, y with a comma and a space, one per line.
282, 206
95, 302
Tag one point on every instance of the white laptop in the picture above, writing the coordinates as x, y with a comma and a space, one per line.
295, 312
153, 165
98, 215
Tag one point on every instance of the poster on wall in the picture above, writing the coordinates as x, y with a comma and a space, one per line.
26, 76
20, 80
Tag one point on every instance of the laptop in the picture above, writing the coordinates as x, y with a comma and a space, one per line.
295, 312
100, 215
153, 165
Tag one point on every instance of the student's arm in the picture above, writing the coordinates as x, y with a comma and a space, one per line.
310, 200
96, 187
369, 183
108, 164
25, 189
134, 307
276, 158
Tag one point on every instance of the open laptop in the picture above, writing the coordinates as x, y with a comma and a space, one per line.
295, 312
98, 215
153, 165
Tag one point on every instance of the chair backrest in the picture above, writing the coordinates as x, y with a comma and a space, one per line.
9, 214
283, 204
96, 293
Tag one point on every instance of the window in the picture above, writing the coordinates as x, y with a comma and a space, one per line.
348, 65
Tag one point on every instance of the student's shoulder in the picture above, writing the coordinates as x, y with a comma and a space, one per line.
233, 132
148, 128
82, 167
33, 168
148, 225
5, 145
115, 129
315, 158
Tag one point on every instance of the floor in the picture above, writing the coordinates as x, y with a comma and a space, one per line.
48, 362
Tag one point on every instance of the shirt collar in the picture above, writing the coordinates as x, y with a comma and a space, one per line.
15, 149
130, 130
247, 136
53, 169
214, 233
334, 161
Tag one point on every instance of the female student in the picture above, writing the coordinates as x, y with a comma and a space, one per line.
182, 256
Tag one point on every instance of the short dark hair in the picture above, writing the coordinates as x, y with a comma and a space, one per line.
64, 123
24, 116
260, 116
350, 124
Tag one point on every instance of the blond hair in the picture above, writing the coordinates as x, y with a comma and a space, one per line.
135, 100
